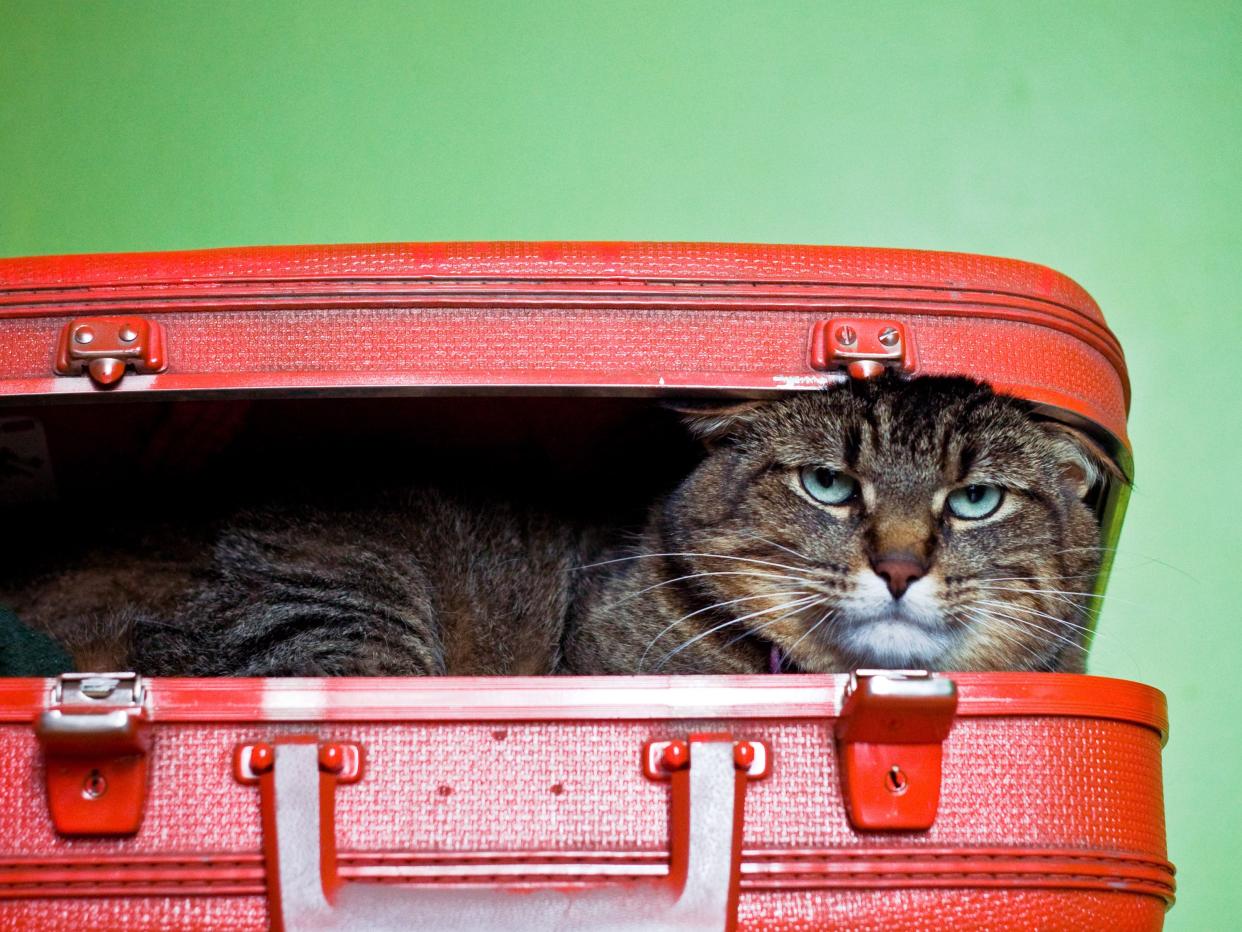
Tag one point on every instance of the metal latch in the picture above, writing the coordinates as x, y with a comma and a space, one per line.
863, 347
104, 347
96, 753
890, 746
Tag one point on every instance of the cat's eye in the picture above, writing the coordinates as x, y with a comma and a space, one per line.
973, 502
827, 485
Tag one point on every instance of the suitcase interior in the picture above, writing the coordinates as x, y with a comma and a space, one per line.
593, 457
599, 459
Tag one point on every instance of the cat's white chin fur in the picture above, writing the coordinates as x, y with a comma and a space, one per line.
904, 632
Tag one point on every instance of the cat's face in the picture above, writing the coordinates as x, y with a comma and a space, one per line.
925, 523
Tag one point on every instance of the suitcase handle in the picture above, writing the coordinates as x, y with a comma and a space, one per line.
297, 794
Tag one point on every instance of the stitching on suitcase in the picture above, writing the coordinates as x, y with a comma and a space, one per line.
1117, 883
583, 878
927, 294
553, 284
1137, 861
10, 864
253, 290
621, 281
256, 863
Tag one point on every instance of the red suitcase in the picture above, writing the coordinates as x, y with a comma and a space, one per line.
776, 802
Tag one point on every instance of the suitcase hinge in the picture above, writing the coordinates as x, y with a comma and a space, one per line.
890, 745
863, 347
104, 347
96, 753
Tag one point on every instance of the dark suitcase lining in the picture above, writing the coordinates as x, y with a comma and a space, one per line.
599, 458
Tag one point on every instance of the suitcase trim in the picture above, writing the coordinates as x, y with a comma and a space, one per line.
459, 699
520, 294
761, 869
560, 260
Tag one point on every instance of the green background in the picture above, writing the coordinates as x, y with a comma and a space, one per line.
1101, 139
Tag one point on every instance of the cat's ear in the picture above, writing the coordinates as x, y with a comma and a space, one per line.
1082, 461
714, 420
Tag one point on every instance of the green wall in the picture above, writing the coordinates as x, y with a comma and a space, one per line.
1101, 139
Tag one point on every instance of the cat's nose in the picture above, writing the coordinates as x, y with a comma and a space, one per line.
899, 571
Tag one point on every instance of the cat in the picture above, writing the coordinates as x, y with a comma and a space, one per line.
902, 523
925, 523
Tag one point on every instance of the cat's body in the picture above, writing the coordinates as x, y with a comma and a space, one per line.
821, 532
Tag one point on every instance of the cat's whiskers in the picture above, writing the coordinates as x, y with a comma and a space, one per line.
691, 553
1023, 608
1000, 627
772, 543
734, 621
1094, 634
777, 620
669, 582
1045, 577
1117, 551
1066, 595
1028, 624
707, 608
811, 630
1062, 596
1066, 592
965, 615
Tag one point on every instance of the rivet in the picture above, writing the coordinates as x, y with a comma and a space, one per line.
743, 755
331, 758
262, 757
128, 334
896, 781
846, 336
890, 336
94, 785
83, 335
676, 755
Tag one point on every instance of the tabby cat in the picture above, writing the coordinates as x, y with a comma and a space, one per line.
922, 523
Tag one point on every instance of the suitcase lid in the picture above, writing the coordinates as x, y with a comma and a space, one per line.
1021, 303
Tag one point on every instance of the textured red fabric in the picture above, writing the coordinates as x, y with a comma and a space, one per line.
1049, 821
1052, 783
692, 261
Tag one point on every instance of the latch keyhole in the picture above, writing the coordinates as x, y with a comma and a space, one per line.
94, 785
895, 780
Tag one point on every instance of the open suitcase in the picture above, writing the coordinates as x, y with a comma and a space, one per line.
787, 802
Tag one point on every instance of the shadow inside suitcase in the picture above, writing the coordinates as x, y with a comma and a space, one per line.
174, 458
73, 477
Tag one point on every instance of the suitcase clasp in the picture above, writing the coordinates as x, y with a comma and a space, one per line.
890, 745
104, 347
863, 347
95, 751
